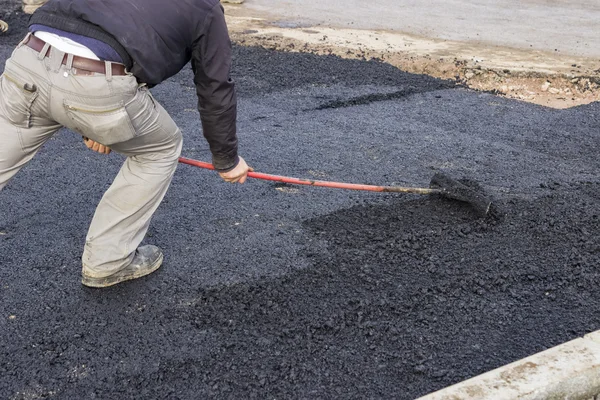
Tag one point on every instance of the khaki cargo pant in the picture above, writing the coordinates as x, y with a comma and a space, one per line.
40, 95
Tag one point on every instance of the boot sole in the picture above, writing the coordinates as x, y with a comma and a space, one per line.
115, 279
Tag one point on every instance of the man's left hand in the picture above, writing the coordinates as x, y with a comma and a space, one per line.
95, 146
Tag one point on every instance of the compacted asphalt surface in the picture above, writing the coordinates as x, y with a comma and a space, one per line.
275, 291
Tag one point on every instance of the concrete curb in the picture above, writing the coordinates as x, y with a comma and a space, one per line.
569, 371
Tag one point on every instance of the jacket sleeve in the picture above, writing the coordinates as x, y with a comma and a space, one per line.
211, 62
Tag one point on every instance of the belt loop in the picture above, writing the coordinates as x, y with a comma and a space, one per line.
25, 40
69, 64
42, 54
55, 58
108, 70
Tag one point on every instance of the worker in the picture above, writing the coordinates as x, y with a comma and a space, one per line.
88, 65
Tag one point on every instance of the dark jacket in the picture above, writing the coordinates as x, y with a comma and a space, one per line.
156, 39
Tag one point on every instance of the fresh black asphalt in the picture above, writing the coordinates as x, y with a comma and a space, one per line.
273, 291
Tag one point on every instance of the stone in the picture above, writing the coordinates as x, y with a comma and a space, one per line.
546, 86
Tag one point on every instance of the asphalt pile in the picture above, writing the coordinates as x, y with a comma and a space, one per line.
272, 291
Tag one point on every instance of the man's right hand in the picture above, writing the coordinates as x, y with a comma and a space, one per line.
238, 174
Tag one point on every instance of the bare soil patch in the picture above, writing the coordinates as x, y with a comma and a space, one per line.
544, 78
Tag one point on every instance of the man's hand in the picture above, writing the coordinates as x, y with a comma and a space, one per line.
238, 174
95, 146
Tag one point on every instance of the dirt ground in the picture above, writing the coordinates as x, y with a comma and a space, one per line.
547, 78
272, 291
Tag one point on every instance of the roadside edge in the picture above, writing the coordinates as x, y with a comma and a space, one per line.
545, 78
568, 371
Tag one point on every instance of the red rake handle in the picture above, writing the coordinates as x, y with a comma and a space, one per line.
328, 184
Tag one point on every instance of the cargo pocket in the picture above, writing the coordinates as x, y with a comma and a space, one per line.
106, 125
17, 96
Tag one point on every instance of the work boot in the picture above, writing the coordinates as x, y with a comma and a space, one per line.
147, 259
29, 6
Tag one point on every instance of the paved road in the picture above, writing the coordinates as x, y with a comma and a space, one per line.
569, 26
270, 290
